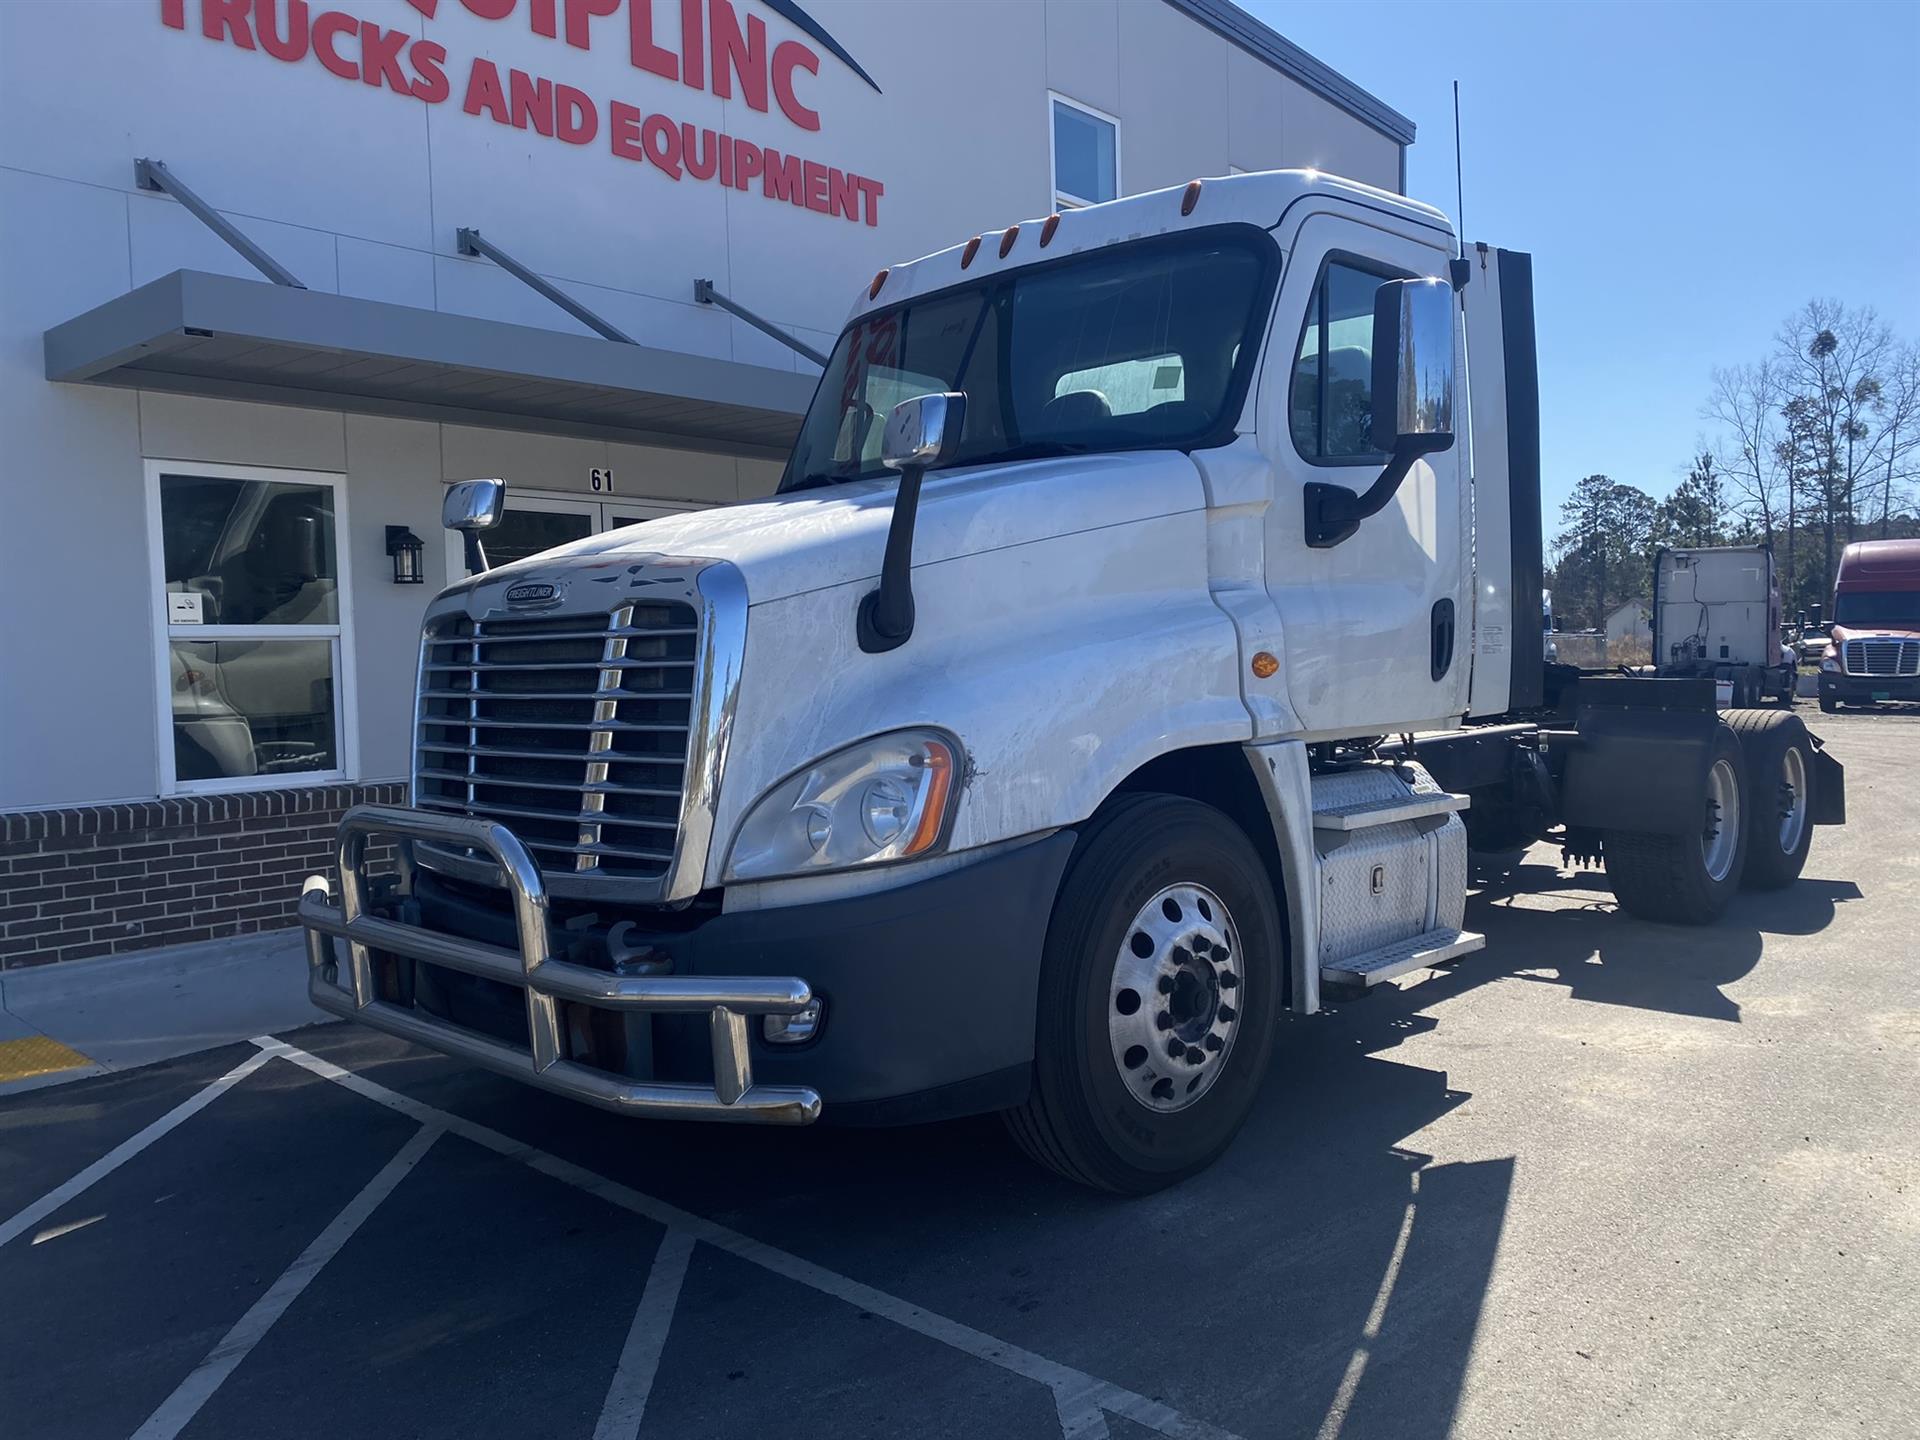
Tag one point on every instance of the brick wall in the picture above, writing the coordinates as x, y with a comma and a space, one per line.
105, 879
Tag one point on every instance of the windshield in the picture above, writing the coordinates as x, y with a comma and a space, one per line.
1148, 345
1877, 607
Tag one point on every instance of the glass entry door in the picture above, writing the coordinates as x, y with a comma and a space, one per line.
530, 524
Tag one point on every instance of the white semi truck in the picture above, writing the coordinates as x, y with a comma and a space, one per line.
1140, 637
1716, 614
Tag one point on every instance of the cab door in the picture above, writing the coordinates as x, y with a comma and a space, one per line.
1377, 627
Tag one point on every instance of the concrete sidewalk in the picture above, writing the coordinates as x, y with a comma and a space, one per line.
86, 1017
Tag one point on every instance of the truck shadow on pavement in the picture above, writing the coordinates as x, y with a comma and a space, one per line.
1580, 940
1321, 1278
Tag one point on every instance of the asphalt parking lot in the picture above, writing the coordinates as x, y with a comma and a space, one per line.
1605, 1178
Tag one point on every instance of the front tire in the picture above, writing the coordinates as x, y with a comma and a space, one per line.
1160, 986
1779, 758
1688, 879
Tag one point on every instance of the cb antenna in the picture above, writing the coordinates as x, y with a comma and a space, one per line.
1459, 196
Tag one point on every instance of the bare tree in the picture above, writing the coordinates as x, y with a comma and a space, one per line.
1897, 445
1745, 403
1832, 359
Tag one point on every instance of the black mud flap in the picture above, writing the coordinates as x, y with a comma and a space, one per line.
1829, 788
1640, 755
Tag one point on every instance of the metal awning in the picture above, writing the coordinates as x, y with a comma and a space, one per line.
243, 339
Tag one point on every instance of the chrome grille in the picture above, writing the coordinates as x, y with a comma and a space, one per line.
1882, 657
570, 730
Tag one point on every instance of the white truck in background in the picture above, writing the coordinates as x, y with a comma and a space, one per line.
1716, 615
1129, 655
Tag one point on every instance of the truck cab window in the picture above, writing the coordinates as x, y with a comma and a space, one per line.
1128, 386
1137, 346
1332, 400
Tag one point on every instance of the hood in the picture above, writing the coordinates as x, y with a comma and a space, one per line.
813, 539
1891, 631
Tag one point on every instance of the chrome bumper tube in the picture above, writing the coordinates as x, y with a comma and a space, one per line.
728, 1002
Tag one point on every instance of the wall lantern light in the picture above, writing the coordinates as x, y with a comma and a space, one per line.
406, 548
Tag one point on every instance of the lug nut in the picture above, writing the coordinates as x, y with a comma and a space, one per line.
1166, 983
1163, 1020
1214, 1042
1227, 1013
1181, 956
1229, 980
1195, 1055
1175, 1049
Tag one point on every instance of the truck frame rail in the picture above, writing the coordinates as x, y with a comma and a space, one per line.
727, 1001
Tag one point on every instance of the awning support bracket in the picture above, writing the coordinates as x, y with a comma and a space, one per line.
154, 175
469, 242
705, 294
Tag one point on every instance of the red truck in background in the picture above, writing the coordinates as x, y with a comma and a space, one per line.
1875, 649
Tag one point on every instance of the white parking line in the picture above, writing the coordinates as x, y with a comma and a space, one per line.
1079, 1398
626, 1403
194, 1391
1336, 1415
127, 1149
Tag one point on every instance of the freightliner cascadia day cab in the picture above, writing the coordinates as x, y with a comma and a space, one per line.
1873, 650
1130, 655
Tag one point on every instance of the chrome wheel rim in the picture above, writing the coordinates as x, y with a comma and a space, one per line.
1793, 800
1720, 839
1175, 1002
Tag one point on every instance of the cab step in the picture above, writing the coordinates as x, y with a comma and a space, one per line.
1436, 947
1364, 814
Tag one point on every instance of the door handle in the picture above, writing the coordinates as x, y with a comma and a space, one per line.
1442, 638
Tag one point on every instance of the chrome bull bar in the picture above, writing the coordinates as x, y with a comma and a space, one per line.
727, 1001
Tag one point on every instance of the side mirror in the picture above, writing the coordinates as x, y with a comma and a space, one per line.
1413, 365
472, 504
921, 433
1412, 402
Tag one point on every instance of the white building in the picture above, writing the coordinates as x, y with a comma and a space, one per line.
213, 442
1630, 623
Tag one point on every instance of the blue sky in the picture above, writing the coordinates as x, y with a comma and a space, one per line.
1683, 174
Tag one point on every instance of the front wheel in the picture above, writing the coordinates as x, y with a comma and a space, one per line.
1160, 985
1688, 879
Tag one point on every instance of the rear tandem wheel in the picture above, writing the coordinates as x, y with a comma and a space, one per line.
1688, 879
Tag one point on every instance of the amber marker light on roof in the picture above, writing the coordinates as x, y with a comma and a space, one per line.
1046, 230
1006, 240
1191, 198
966, 255
873, 290
1264, 664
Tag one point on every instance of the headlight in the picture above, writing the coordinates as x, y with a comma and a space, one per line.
887, 798
1829, 665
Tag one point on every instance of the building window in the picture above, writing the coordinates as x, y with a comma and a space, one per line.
251, 575
1332, 401
1086, 154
